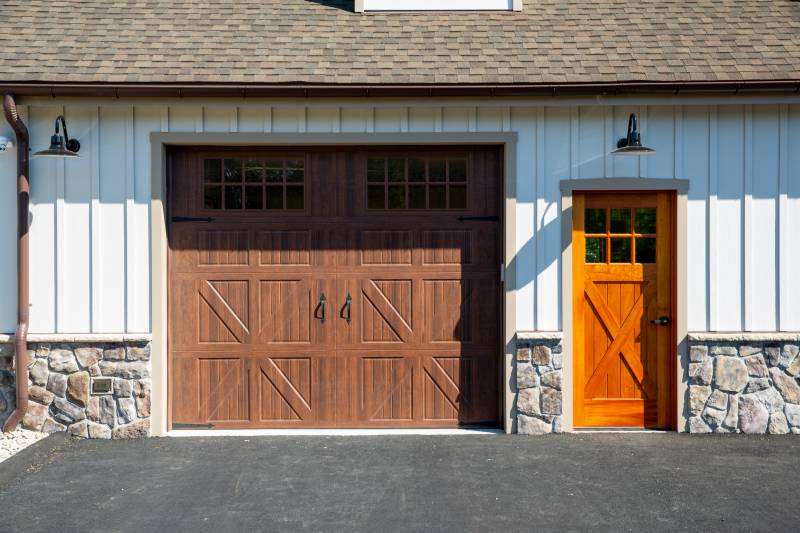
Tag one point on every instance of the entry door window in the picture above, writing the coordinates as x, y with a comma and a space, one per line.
620, 235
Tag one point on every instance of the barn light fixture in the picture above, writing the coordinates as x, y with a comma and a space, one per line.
632, 143
61, 146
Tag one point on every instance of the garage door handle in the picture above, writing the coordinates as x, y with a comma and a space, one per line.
322, 302
348, 303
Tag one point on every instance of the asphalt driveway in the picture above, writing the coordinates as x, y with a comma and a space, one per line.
611, 482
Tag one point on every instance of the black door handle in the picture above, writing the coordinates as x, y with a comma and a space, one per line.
322, 302
661, 321
348, 302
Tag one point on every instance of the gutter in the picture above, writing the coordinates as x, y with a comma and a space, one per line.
308, 90
23, 197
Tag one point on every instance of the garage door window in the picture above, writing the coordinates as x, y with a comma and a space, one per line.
416, 183
253, 184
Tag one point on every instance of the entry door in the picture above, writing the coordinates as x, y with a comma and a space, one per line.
623, 259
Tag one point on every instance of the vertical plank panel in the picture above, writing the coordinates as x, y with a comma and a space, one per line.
727, 192
288, 119
323, 119
695, 168
388, 119
251, 119
490, 119
421, 119
761, 223
185, 118
8, 229
624, 166
660, 135
591, 143
354, 120
217, 118
455, 119
790, 222
523, 121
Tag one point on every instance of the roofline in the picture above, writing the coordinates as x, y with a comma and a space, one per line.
294, 90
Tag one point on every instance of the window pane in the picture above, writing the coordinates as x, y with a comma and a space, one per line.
233, 197
233, 170
397, 170
437, 198
375, 169
620, 222
375, 198
212, 170
253, 198
458, 170
294, 171
397, 196
458, 196
294, 197
621, 250
595, 250
416, 196
646, 220
274, 197
416, 170
252, 170
436, 170
645, 250
595, 221
212, 197
274, 171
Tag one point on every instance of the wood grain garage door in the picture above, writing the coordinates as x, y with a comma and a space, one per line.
331, 288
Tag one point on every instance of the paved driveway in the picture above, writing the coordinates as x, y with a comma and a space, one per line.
613, 482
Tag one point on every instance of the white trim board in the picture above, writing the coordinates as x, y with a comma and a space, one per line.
325, 432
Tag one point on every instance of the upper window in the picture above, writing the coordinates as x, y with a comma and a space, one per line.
438, 5
417, 183
620, 235
232, 184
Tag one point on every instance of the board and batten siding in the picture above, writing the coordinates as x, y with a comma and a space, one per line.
90, 254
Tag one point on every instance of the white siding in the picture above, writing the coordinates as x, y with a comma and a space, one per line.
90, 217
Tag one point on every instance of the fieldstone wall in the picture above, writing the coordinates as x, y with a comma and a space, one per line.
744, 387
538, 375
60, 383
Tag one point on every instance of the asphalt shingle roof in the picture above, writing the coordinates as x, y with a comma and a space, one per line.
324, 41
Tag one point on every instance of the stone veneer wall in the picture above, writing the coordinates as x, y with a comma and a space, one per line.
60, 379
538, 375
744, 387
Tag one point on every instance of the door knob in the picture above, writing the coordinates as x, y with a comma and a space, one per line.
661, 321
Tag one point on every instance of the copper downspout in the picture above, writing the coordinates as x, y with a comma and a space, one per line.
23, 196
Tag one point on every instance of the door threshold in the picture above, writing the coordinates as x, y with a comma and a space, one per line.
621, 430
327, 432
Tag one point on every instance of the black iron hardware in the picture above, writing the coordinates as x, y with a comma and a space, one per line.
348, 302
489, 218
192, 219
661, 321
322, 302
177, 425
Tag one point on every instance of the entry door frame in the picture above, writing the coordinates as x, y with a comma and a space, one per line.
681, 188
160, 142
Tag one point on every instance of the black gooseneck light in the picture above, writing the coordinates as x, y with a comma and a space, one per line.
632, 143
61, 146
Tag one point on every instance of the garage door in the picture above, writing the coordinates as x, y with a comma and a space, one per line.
331, 288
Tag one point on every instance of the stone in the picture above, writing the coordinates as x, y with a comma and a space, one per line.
541, 355
62, 361
552, 379
732, 417
523, 354
122, 388
78, 388
528, 425
701, 373
127, 370
756, 366
126, 410
558, 425
143, 406
698, 354
792, 413
551, 401
135, 430
778, 424
114, 354
558, 348
102, 409
757, 384
94, 371
141, 388
35, 416
137, 353
746, 350
753, 416
724, 350
43, 351
41, 395
771, 399
713, 417
99, 431
57, 384
786, 385
788, 355
88, 356
66, 412
723, 430
51, 426
718, 400
730, 374
697, 425
528, 401
558, 361
772, 354
79, 429
795, 431
794, 367
526, 376
38, 372
698, 394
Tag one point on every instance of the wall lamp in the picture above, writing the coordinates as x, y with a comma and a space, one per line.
632, 143
61, 146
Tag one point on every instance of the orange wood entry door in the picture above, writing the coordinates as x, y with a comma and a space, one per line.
624, 341
334, 288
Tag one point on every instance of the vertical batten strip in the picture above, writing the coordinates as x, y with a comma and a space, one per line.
130, 223
234, 120
747, 261
574, 135
371, 120
268, 119
783, 299
678, 172
713, 212
61, 281
609, 141
95, 224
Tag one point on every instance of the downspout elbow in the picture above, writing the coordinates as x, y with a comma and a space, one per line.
23, 297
